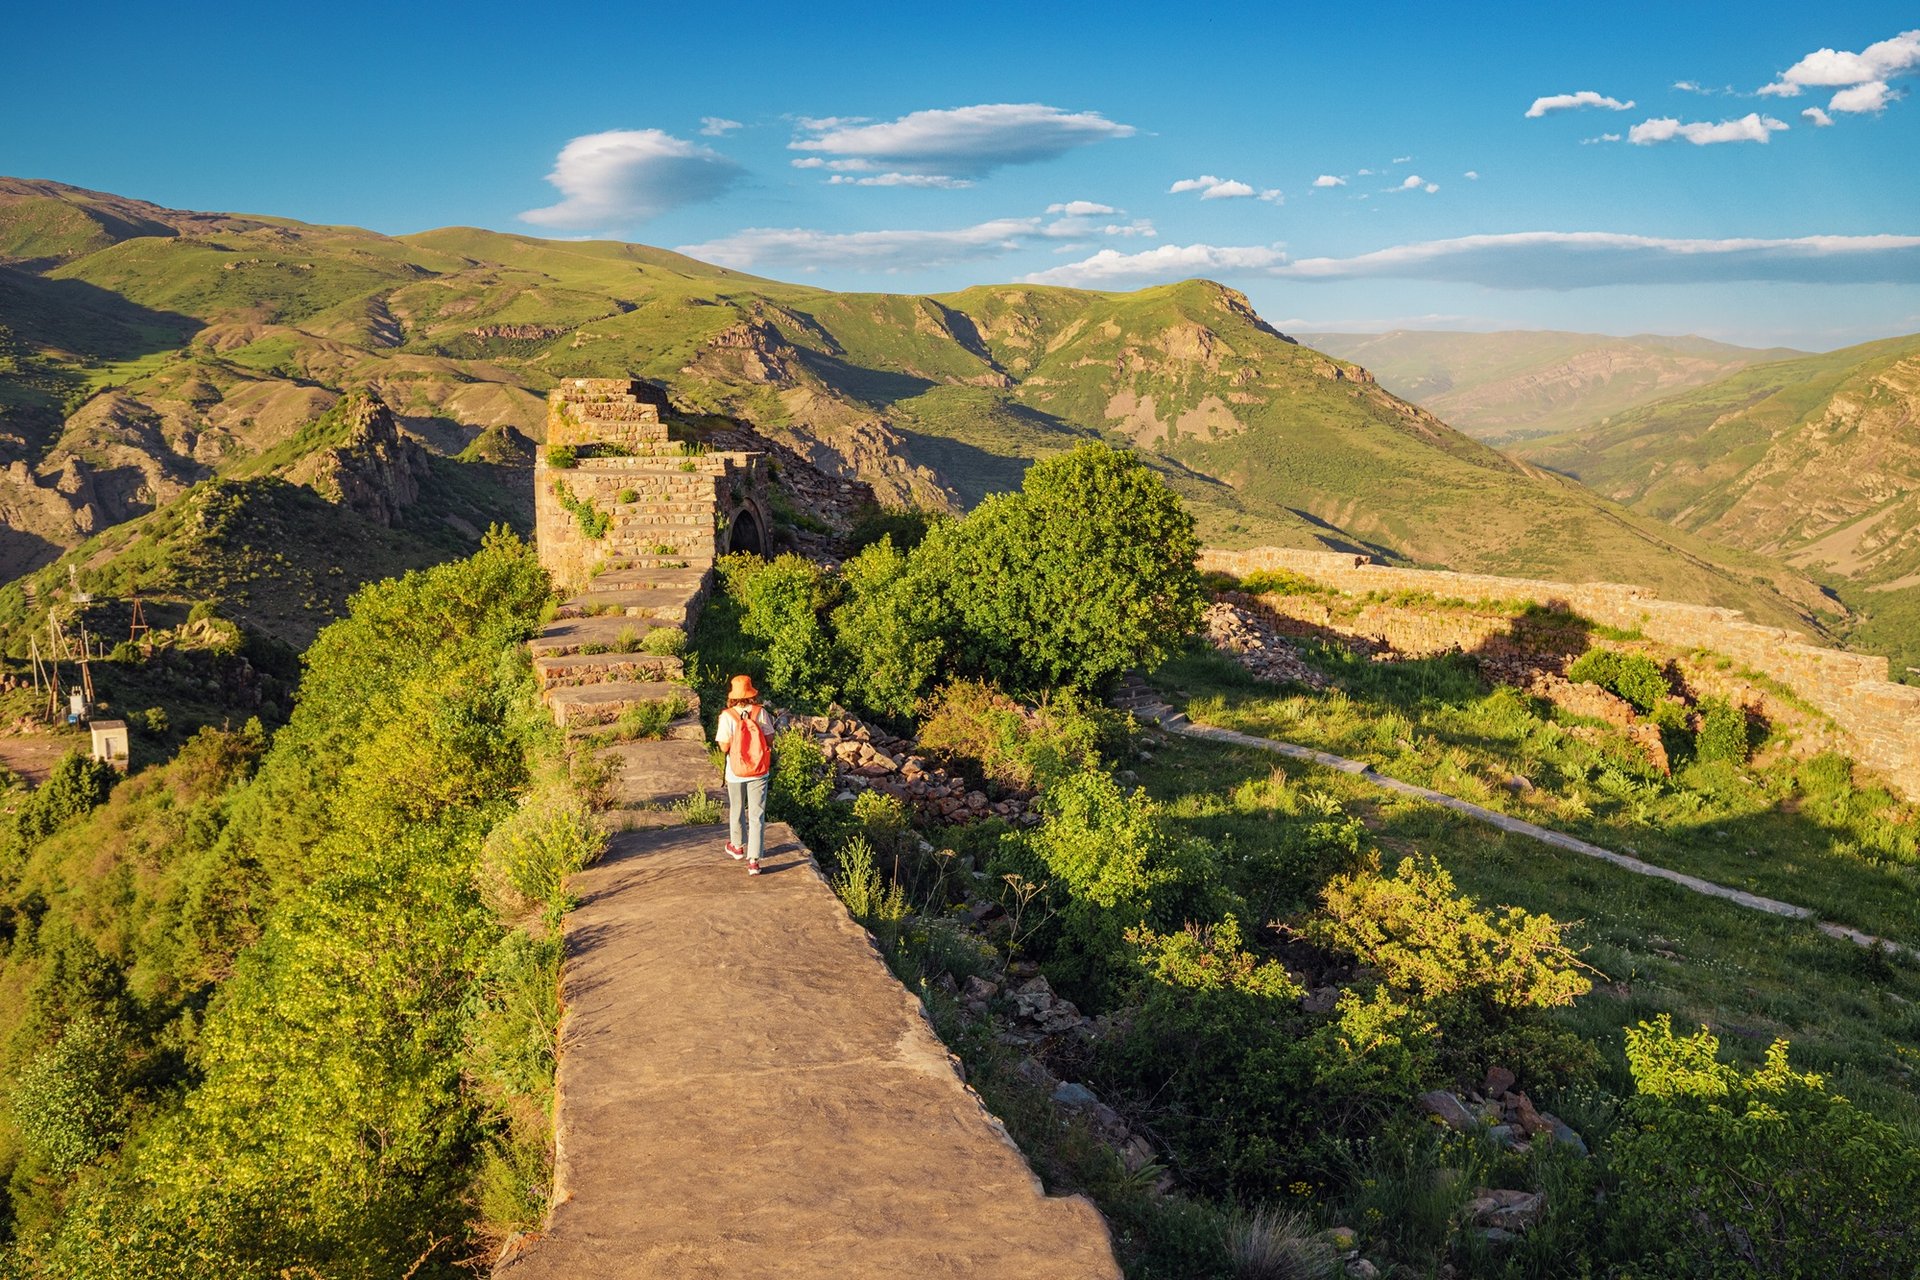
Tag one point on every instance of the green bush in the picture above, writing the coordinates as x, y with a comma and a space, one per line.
668, 642
1723, 733
1632, 676
1015, 747
70, 1104
629, 496
890, 632
781, 601
562, 457
1726, 1173
1084, 573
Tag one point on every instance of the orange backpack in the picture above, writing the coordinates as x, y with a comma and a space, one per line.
750, 754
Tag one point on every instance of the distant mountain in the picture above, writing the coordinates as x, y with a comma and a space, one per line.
1503, 387
1814, 460
152, 350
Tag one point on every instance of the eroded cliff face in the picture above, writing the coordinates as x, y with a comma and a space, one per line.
376, 472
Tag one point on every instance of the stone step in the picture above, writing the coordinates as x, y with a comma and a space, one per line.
624, 579
594, 706
671, 606
635, 563
606, 634
658, 774
597, 668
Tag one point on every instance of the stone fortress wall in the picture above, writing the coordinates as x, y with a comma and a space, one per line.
689, 505
1879, 718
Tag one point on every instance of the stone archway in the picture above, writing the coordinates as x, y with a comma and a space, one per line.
746, 532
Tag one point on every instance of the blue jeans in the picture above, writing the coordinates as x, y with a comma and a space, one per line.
747, 801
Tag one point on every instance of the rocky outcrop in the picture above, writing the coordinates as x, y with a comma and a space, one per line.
376, 472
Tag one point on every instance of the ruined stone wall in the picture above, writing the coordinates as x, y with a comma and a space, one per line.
1881, 719
680, 506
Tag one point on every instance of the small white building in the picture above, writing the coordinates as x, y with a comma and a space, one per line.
110, 742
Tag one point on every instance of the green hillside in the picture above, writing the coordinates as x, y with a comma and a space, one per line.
1504, 387
220, 338
1815, 461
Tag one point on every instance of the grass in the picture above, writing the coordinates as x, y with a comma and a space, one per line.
1851, 1014
1798, 830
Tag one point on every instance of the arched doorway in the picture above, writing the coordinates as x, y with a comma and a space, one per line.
746, 533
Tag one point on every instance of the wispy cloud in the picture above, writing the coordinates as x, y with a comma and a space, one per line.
624, 176
1820, 119
1329, 180
1212, 188
1165, 262
810, 250
1598, 138
937, 181
1752, 127
718, 126
1532, 260
1572, 101
1081, 208
961, 142
1471, 175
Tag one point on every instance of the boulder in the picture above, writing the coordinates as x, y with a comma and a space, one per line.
1506, 1210
1499, 1080
1449, 1109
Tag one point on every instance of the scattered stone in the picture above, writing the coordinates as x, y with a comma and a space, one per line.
1236, 627
1320, 1000
1451, 1111
1034, 1073
1564, 1132
1499, 1081
1361, 1269
979, 988
1506, 1210
1070, 1094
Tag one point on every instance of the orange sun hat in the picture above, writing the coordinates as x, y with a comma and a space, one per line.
742, 687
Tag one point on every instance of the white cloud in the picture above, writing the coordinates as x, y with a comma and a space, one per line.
1570, 101
718, 126
1821, 120
1471, 175
864, 250
1690, 86
1081, 208
963, 142
629, 175
933, 180
1365, 173
1531, 260
1164, 262
1862, 98
1414, 182
1752, 127
1834, 68
1604, 137
1403, 159
1086, 222
1274, 195
1328, 180
1211, 188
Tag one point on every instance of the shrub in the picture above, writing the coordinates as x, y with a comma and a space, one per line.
668, 642
1010, 745
869, 897
1429, 942
71, 1101
1725, 1172
528, 857
1276, 1244
890, 632
156, 721
1632, 676
902, 526
1723, 733
780, 604
1083, 574
562, 457
629, 496
593, 522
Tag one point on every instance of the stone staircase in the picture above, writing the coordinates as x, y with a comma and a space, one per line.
744, 1089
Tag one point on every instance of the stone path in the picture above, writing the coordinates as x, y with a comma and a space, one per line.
1137, 697
744, 1089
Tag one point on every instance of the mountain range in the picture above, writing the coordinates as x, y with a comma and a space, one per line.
149, 352
1513, 386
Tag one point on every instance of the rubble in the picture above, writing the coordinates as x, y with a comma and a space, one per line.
868, 758
1237, 628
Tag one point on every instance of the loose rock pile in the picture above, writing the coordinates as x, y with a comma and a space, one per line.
868, 758
1246, 635
1509, 1117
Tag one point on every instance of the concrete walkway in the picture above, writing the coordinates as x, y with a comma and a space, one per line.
746, 1091
1135, 696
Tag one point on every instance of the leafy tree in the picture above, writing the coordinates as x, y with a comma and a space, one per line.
891, 641
71, 1102
1083, 574
1726, 1173
781, 602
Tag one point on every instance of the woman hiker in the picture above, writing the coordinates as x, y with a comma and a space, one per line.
745, 733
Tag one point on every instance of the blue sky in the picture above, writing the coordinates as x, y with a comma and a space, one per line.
1480, 171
